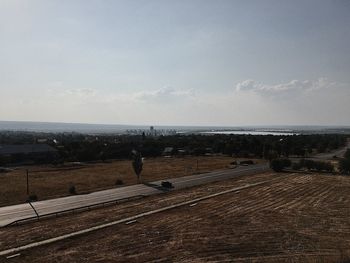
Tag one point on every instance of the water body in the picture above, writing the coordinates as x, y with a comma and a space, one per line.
252, 133
57, 127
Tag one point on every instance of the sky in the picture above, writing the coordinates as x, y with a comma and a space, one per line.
184, 62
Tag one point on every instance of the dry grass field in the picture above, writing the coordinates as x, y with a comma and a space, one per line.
293, 218
50, 182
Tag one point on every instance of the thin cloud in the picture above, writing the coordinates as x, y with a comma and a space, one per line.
164, 94
85, 92
293, 85
71, 93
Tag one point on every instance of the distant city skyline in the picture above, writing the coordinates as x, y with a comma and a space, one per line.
197, 62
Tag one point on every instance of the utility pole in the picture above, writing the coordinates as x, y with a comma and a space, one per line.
27, 182
281, 141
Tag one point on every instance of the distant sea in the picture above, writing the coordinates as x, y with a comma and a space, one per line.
57, 127
252, 132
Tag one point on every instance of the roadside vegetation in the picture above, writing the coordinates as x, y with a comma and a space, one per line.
344, 163
279, 165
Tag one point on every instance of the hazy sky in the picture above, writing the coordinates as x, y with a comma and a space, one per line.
177, 62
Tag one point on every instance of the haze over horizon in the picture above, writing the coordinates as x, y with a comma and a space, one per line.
209, 63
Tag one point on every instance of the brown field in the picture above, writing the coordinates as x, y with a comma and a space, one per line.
294, 218
50, 182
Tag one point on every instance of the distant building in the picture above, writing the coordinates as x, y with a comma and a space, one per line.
152, 131
181, 151
168, 151
27, 153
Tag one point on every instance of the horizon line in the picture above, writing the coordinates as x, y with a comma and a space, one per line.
181, 125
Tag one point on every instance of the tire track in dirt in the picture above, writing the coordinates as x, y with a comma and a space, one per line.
304, 197
270, 201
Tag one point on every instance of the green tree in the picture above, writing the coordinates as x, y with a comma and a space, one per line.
344, 163
137, 164
347, 154
344, 166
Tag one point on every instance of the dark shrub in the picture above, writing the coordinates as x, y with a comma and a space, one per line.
72, 190
5, 170
296, 166
119, 182
167, 184
308, 164
247, 162
316, 165
32, 198
279, 164
347, 154
324, 166
344, 166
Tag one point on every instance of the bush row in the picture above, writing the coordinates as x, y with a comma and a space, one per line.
344, 164
312, 165
279, 165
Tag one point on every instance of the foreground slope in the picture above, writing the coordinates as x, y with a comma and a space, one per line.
293, 217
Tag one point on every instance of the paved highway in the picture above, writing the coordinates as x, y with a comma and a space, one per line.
339, 153
11, 214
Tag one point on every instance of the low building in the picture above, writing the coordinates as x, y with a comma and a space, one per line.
181, 152
27, 153
168, 151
